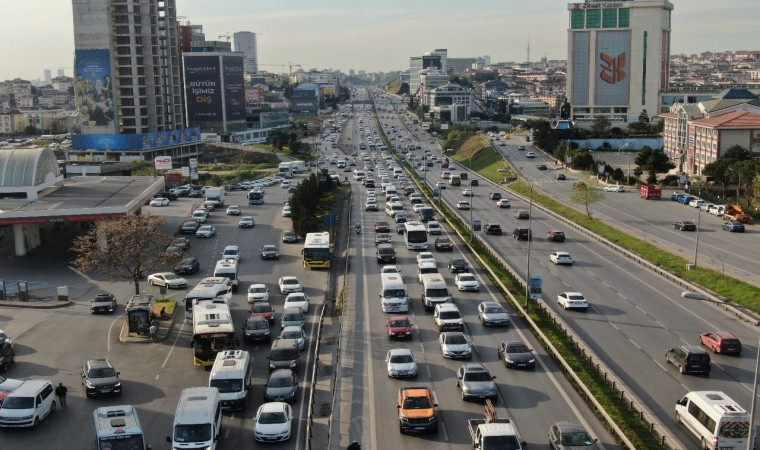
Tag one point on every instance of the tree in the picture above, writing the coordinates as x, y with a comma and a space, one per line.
585, 195
737, 153
644, 117
564, 110
128, 248
600, 125
653, 162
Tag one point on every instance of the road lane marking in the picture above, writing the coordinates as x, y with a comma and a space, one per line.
174, 344
110, 328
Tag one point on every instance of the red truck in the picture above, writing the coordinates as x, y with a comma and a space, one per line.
647, 192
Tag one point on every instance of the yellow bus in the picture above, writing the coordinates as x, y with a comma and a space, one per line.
316, 250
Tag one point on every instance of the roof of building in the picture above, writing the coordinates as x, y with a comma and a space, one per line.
717, 104
734, 94
27, 166
736, 119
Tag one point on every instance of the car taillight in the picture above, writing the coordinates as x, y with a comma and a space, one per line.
715, 441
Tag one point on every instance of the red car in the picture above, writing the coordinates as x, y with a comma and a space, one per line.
444, 244
263, 309
382, 227
721, 342
399, 327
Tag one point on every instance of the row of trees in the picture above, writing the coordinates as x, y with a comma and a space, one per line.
280, 139
736, 165
305, 202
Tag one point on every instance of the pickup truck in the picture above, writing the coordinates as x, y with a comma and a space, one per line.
492, 433
416, 410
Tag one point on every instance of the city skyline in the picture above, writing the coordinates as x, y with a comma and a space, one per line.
362, 35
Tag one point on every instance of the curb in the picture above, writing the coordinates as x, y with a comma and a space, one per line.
43, 305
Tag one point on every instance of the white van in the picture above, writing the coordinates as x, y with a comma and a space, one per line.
359, 175
392, 295
433, 227
227, 268
390, 191
118, 427
714, 418
434, 290
393, 208
198, 419
231, 374
28, 405
200, 215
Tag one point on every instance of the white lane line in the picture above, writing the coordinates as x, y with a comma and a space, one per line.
442, 426
304, 383
174, 344
634, 343
110, 328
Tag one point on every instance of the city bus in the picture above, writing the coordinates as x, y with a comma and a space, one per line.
316, 250
213, 332
415, 234
256, 197
210, 290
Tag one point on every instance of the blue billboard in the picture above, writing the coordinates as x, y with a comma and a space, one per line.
203, 93
234, 87
93, 90
135, 141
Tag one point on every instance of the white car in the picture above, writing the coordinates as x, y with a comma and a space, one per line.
696, 203
454, 344
572, 300
233, 210
258, 293
285, 184
614, 188
289, 284
206, 231
425, 257
168, 279
466, 282
418, 206
246, 222
467, 192
160, 201
371, 205
463, 204
389, 269
296, 333
297, 300
286, 211
231, 252
530, 155
561, 258
503, 203
273, 422
492, 313
5, 338
401, 362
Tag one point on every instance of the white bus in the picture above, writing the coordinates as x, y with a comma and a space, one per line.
393, 297
212, 289
415, 234
117, 427
213, 332
316, 250
715, 419
227, 268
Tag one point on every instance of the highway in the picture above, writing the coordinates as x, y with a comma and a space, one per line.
634, 316
54, 343
534, 399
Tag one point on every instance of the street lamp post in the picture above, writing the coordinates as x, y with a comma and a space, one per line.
699, 216
738, 185
531, 183
628, 173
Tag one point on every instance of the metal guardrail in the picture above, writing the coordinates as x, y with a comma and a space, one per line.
313, 381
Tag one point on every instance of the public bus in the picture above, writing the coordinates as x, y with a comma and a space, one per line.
316, 250
211, 289
256, 197
213, 332
415, 234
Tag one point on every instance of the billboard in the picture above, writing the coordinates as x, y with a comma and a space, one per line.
613, 62
93, 90
134, 141
234, 87
203, 91
163, 162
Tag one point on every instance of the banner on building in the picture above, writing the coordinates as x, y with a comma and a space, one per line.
93, 90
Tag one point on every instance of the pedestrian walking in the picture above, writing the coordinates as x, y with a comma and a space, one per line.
60, 392
153, 332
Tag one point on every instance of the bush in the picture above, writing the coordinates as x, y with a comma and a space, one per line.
670, 180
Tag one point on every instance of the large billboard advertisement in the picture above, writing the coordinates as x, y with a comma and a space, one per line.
93, 90
613, 62
234, 87
203, 89
134, 141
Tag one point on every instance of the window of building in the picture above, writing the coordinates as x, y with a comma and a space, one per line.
755, 134
624, 15
593, 18
577, 19
602, 110
620, 110
609, 18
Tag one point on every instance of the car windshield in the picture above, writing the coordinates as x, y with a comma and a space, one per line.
261, 307
450, 315
291, 335
400, 324
268, 418
443, 292
289, 281
455, 339
171, 276
417, 403
575, 297
256, 325
517, 348
476, 376
501, 442
102, 373
279, 381
402, 359
257, 290
192, 433
394, 293
284, 355
270, 248
576, 438
457, 262
494, 310
227, 385
18, 403
292, 317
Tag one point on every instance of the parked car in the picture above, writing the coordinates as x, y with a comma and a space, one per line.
614, 188
206, 231
159, 201
168, 279
189, 226
187, 266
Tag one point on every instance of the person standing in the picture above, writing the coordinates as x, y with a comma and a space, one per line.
153, 332
60, 392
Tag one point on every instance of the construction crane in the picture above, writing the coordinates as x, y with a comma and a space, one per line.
226, 36
289, 65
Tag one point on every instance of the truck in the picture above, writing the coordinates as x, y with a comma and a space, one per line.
297, 166
491, 433
736, 213
285, 170
650, 192
417, 410
215, 195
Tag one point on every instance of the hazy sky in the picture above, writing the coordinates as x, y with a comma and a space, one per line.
371, 35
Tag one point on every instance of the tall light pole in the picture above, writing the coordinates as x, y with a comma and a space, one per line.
627, 174
699, 216
739, 183
531, 183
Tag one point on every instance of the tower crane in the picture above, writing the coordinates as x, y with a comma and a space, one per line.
226, 36
289, 65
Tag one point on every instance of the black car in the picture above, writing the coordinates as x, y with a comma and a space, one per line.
270, 252
195, 193
493, 228
734, 227
181, 242
189, 227
187, 266
458, 265
494, 196
103, 303
542, 167
515, 355
382, 238
689, 359
385, 254
560, 177
7, 355
281, 387
522, 234
256, 329
100, 378
685, 225
166, 194
474, 183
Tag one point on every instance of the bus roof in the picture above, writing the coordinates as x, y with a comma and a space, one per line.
212, 318
116, 420
318, 240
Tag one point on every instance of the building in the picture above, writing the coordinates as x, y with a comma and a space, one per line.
710, 137
214, 91
12, 121
451, 103
305, 101
618, 58
328, 82
427, 61
245, 42
48, 75
128, 92
429, 80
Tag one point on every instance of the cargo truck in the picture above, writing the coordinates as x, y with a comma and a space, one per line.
650, 192
735, 212
215, 196
492, 433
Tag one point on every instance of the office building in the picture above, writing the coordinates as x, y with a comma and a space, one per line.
618, 58
48, 75
245, 42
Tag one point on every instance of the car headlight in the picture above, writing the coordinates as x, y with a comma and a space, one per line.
293, 364
532, 360
88, 384
117, 385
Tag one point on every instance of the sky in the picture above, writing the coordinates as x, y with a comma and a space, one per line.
370, 35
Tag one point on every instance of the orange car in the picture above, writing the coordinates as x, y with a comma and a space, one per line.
416, 410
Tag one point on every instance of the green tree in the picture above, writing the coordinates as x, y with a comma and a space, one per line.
564, 110
600, 125
127, 248
718, 170
644, 117
653, 162
583, 194
737, 153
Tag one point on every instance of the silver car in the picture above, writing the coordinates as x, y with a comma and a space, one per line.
401, 363
476, 382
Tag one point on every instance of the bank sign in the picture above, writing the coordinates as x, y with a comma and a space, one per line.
613, 67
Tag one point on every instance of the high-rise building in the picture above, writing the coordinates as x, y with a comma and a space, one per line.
618, 58
48, 75
61, 72
245, 42
215, 91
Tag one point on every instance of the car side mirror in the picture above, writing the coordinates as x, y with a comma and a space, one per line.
118, 373
493, 377
523, 444
169, 439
